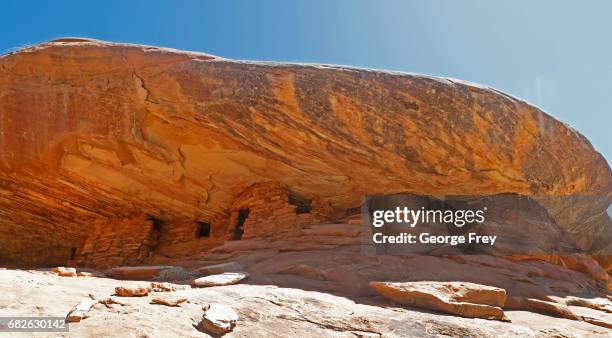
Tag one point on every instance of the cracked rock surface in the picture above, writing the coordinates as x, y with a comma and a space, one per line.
262, 310
91, 130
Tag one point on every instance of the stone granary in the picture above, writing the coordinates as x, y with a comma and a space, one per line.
263, 210
111, 154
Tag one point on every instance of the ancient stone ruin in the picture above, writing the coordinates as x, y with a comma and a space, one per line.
263, 210
116, 155
100, 139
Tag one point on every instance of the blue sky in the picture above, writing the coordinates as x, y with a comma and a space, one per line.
555, 54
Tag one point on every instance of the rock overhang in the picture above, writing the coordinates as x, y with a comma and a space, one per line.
93, 129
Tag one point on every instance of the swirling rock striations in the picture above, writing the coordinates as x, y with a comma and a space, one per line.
93, 131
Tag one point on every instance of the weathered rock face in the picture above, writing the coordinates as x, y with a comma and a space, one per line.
522, 226
462, 299
93, 133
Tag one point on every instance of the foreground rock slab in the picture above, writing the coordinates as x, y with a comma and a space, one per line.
265, 311
218, 318
228, 278
540, 306
132, 291
457, 298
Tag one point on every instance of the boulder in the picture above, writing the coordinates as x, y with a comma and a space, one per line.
219, 269
163, 287
457, 298
168, 300
219, 319
132, 291
80, 310
227, 278
85, 274
65, 272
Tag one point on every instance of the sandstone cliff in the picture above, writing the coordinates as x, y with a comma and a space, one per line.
91, 131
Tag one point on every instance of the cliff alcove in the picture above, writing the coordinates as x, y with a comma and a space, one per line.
95, 136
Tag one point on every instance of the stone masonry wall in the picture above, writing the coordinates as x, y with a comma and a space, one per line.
119, 241
139, 239
179, 237
271, 214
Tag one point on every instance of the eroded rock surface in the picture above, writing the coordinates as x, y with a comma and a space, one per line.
462, 299
132, 291
263, 311
167, 165
219, 318
96, 135
168, 300
338, 267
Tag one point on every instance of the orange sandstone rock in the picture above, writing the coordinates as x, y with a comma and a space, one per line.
95, 136
132, 291
576, 262
536, 305
168, 300
65, 272
458, 298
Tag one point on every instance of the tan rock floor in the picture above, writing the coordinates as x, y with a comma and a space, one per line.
264, 311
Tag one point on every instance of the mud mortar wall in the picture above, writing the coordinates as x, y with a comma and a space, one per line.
179, 237
271, 215
137, 239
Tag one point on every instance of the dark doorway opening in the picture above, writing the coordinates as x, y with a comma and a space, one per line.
72, 253
302, 205
203, 229
157, 222
239, 229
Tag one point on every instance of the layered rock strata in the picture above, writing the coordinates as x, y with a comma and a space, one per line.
98, 135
